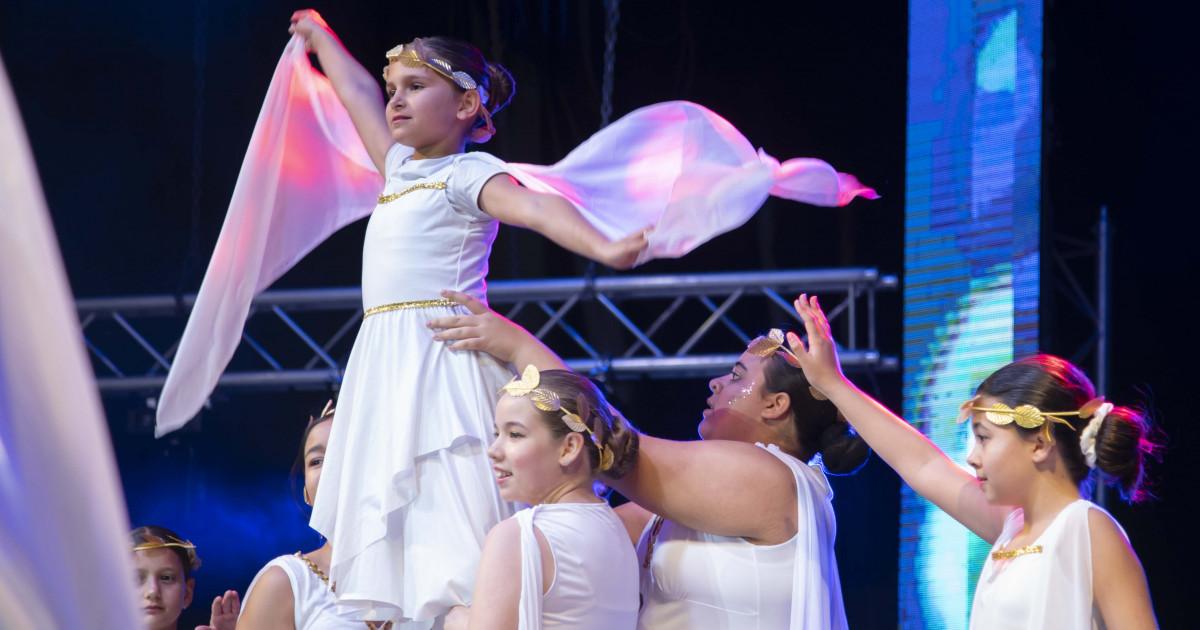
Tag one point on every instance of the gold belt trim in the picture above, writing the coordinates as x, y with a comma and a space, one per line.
396, 195
374, 310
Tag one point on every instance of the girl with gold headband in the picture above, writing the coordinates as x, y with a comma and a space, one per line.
164, 563
565, 561
408, 496
1058, 561
736, 530
407, 493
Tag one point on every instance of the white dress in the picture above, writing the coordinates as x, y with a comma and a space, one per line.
407, 491
692, 579
315, 608
595, 569
1049, 590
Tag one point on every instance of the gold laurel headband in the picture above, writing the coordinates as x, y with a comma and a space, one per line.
1028, 416
410, 57
547, 400
150, 541
776, 342
327, 411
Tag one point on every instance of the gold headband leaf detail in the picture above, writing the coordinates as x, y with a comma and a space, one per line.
546, 400
776, 342
1027, 416
151, 541
524, 385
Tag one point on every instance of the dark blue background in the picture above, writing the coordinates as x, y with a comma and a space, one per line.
109, 96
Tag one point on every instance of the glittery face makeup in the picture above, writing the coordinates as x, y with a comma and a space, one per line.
736, 402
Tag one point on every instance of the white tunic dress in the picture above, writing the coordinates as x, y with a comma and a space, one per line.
1048, 590
691, 579
595, 570
315, 608
407, 491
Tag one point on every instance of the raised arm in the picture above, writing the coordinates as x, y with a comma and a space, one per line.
921, 464
355, 86
715, 486
555, 218
719, 487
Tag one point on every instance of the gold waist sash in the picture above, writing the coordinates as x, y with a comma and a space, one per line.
396, 306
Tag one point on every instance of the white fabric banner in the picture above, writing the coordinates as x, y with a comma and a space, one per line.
65, 559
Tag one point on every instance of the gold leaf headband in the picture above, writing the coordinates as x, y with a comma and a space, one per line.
151, 541
1027, 416
547, 400
774, 342
327, 411
408, 56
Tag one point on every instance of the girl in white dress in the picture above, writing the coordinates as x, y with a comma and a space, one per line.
744, 533
569, 551
408, 494
293, 592
1057, 561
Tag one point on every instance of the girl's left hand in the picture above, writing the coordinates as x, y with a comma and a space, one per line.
819, 360
308, 24
623, 254
225, 609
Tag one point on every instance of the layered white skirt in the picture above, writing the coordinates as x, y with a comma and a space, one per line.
407, 492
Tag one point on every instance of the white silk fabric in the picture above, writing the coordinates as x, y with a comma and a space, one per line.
676, 167
65, 559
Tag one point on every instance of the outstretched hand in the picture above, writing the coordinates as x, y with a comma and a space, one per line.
624, 254
225, 610
306, 23
819, 360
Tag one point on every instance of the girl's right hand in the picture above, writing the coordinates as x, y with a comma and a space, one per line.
624, 254
306, 23
819, 360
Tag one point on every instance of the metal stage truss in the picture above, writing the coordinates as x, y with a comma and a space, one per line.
655, 325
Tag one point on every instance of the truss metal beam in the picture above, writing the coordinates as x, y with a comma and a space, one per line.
644, 334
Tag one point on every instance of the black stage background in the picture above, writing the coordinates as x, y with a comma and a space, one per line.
109, 96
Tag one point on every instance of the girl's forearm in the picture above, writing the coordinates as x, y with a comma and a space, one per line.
349, 78
559, 220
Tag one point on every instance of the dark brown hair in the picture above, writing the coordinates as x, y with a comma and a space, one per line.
1126, 437
819, 428
610, 428
467, 58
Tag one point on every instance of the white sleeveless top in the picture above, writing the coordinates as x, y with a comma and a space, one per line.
692, 579
315, 608
595, 569
1047, 590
